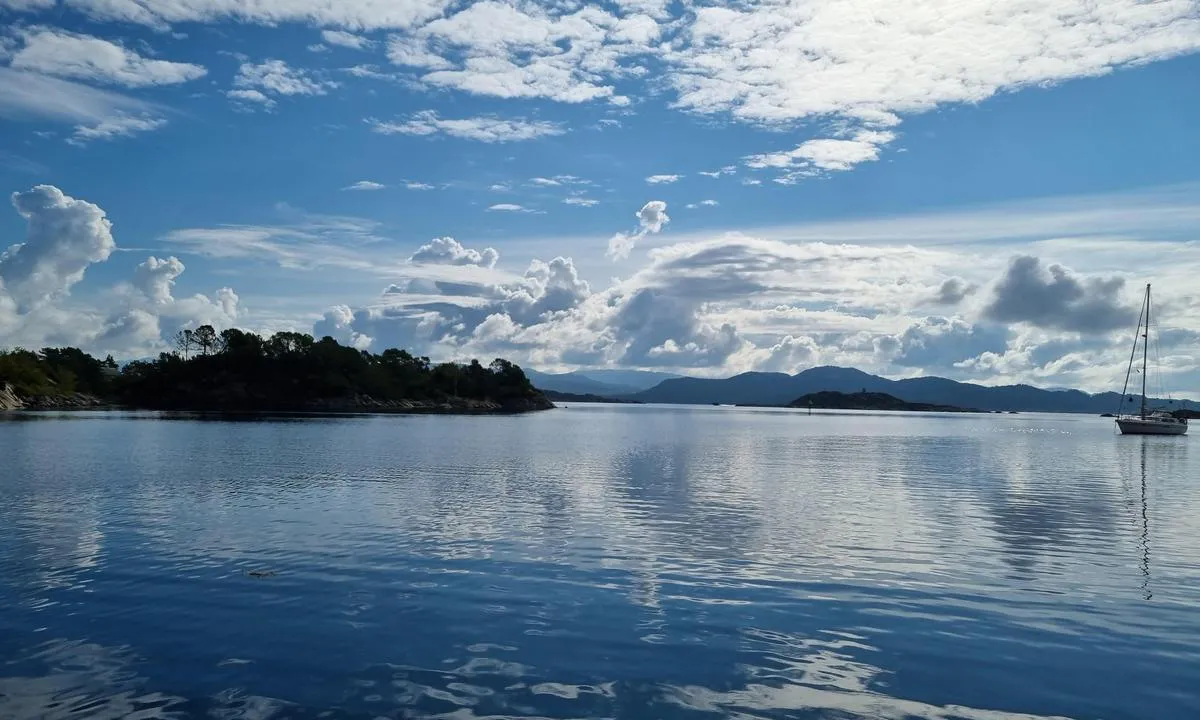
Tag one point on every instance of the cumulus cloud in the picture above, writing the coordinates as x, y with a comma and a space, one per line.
1056, 298
662, 179
824, 154
275, 77
508, 207
483, 129
953, 291
651, 219
702, 203
156, 277
337, 323
64, 237
57, 52
936, 343
448, 251
255, 97
502, 51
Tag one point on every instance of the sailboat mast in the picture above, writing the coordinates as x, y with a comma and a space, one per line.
1145, 349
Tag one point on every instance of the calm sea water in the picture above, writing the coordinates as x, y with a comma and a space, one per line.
598, 561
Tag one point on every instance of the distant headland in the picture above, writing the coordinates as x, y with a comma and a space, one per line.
831, 400
240, 371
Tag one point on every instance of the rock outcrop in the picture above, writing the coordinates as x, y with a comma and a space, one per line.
9, 399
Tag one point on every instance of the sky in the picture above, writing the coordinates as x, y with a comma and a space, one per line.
974, 189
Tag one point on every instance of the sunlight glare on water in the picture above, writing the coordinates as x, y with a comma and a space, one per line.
597, 561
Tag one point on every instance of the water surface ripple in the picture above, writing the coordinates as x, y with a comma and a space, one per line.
597, 562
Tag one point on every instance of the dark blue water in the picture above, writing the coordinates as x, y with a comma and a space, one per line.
632, 562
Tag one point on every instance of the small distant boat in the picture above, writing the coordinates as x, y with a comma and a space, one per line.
1147, 421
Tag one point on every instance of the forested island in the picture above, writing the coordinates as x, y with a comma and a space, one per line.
236, 370
828, 400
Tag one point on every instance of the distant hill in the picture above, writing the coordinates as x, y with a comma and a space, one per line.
826, 400
578, 384
779, 389
637, 379
584, 397
609, 383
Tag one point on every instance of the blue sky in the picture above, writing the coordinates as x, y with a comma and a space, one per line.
888, 186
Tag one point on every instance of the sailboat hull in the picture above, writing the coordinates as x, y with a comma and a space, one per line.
1151, 426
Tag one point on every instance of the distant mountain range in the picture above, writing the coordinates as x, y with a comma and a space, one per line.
609, 383
780, 389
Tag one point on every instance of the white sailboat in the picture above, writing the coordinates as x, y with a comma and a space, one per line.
1147, 421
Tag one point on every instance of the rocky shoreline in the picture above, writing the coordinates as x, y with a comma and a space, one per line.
10, 401
450, 406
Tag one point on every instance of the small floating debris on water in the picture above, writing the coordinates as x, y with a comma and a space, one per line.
261, 573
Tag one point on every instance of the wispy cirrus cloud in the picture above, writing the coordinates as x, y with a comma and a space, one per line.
119, 126
33, 95
341, 38
484, 128
662, 179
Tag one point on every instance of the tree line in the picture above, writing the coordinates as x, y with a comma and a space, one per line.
235, 369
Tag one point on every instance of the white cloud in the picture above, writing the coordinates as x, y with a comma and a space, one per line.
342, 38
30, 95
483, 129
307, 242
412, 52
702, 203
365, 185
337, 322
350, 14
418, 186
651, 219
789, 62
64, 237
825, 154
662, 179
531, 53
727, 170
278, 78
508, 207
581, 201
251, 96
115, 127
372, 72
544, 182
155, 278
448, 251
57, 52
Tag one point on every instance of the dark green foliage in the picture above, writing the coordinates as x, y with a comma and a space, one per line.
56, 371
237, 370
